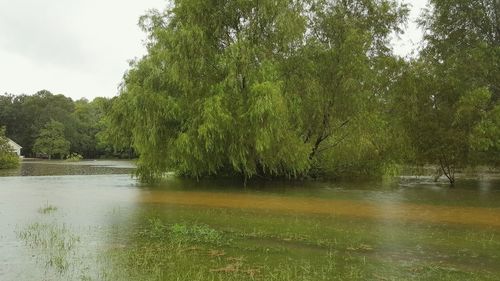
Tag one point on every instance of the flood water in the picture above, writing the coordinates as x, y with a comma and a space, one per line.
406, 229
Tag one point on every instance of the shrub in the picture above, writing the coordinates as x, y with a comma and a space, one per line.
8, 159
74, 157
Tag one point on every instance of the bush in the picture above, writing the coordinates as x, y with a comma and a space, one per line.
8, 159
74, 157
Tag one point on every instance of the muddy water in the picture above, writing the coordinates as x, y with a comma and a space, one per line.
353, 208
101, 203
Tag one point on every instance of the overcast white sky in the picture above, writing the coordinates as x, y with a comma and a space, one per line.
81, 48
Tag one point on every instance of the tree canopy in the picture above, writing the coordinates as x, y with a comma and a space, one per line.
253, 88
51, 141
449, 95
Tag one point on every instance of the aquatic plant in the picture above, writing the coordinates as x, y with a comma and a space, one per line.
55, 241
47, 209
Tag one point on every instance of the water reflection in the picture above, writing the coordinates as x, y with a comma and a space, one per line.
54, 168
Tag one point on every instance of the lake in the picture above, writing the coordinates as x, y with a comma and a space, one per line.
92, 220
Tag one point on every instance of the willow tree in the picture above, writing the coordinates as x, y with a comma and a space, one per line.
251, 88
339, 80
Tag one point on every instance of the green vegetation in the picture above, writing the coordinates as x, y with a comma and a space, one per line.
8, 159
56, 241
245, 245
271, 247
266, 88
25, 116
180, 233
305, 89
51, 140
47, 209
290, 89
74, 157
450, 100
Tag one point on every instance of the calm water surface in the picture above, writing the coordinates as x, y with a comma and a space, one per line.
411, 221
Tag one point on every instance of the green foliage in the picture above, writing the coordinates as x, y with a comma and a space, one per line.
292, 89
115, 128
251, 88
51, 140
84, 122
485, 137
8, 158
25, 116
449, 95
74, 157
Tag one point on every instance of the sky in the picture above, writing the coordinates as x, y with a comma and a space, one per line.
81, 48
408, 42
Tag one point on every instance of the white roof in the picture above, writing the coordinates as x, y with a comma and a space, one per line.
14, 144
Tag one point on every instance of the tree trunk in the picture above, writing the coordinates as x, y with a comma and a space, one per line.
448, 170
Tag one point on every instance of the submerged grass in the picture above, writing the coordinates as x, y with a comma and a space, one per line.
55, 242
284, 249
47, 209
180, 233
186, 243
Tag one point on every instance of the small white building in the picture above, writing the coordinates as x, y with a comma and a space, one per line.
16, 147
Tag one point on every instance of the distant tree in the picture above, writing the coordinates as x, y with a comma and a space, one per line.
25, 115
8, 158
115, 128
51, 140
87, 116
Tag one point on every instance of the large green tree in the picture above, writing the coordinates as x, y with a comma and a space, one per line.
51, 141
450, 95
252, 88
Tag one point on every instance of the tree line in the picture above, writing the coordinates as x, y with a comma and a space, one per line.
53, 125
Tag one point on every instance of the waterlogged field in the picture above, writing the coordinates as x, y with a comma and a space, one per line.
92, 221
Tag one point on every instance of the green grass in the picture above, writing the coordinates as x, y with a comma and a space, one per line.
271, 256
156, 230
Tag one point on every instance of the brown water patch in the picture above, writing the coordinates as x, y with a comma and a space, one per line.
362, 209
